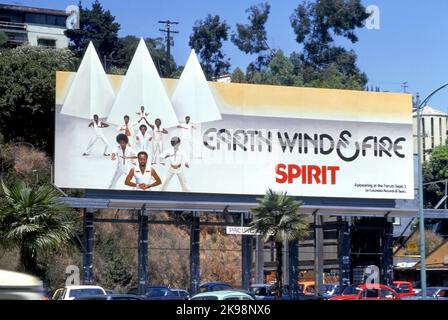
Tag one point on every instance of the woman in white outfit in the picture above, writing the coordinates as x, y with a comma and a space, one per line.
124, 156
145, 177
178, 160
157, 141
97, 127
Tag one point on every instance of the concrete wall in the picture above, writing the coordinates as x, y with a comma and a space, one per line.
36, 32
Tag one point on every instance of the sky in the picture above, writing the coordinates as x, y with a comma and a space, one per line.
409, 46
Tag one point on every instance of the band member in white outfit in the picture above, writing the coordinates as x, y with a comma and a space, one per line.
128, 129
145, 177
178, 161
157, 140
97, 127
187, 136
124, 156
142, 115
144, 139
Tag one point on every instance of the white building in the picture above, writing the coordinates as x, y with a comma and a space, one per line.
433, 128
34, 26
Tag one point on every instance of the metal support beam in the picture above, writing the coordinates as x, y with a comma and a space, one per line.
246, 261
344, 245
194, 253
87, 261
318, 253
259, 259
293, 265
142, 250
387, 257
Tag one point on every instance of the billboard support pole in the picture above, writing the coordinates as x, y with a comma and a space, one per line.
246, 260
293, 265
194, 252
318, 252
259, 259
142, 250
88, 247
344, 239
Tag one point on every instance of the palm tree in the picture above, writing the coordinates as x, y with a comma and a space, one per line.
277, 216
34, 221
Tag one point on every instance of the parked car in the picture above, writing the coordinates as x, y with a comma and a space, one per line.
181, 293
263, 291
222, 295
403, 288
333, 290
364, 292
432, 293
157, 293
111, 297
214, 286
20, 286
73, 292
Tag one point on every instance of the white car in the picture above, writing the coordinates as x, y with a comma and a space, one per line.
72, 292
20, 286
222, 295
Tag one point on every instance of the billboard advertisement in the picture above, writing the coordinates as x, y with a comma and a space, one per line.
140, 132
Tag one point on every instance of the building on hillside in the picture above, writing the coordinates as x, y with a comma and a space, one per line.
33, 26
436, 268
433, 128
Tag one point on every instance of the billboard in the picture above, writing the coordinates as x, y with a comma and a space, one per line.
140, 132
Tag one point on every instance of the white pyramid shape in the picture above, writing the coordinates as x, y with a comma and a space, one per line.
142, 86
192, 96
91, 91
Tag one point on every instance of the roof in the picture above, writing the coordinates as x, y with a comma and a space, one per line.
222, 293
83, 287
429, 111
10, 7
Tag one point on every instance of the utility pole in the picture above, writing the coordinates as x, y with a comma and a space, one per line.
168, 31
405, 86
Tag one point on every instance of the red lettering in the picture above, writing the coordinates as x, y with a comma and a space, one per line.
309, 174
279, 170
294, 171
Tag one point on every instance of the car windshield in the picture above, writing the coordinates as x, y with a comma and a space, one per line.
351, 290
429, 292
160, 292
75, 293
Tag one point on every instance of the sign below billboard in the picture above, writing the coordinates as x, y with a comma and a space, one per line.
241, 231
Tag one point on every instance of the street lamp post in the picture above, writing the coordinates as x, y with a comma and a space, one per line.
420, 189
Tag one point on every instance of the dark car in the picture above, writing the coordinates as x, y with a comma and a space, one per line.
157, 293
214, 286
111, 297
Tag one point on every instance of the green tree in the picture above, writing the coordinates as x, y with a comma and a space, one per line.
435, 169
207, 39
96, 25
34, 221
27, 93
280, 71
238, 76
277, 216
166, 66
316, 23
251, 38
3, 39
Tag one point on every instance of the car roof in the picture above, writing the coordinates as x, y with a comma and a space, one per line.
84, 287
213, 283
222, 293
